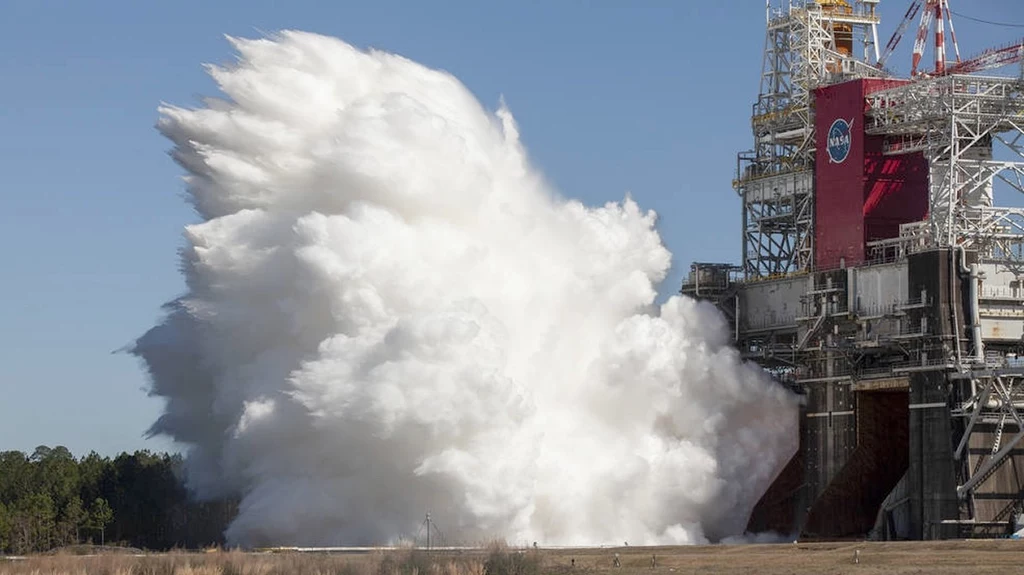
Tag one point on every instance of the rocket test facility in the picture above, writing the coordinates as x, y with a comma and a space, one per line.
879, 279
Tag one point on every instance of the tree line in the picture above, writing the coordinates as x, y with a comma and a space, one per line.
50, 499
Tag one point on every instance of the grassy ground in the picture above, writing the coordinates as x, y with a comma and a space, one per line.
977, 557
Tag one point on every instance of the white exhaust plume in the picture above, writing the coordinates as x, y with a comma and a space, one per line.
389, 313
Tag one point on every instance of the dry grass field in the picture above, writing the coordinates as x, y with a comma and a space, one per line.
976, 557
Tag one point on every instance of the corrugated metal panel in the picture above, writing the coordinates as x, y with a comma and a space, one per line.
877, 288
999, 276
771, 303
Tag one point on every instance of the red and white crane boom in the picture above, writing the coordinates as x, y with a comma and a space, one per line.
991, 58
894, 41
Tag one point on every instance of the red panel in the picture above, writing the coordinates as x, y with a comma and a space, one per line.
896, 191
860, 195
895, 187
839, 176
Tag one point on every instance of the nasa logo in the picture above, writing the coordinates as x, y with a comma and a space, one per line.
839, 141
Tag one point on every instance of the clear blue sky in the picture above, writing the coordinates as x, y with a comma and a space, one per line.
652, 97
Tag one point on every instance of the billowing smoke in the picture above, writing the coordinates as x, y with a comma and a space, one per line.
390, 313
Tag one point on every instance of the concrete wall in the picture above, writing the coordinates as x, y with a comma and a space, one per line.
849, 505
931, 474
829, 433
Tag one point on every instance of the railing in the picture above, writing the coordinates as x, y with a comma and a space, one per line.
1000, 361
884, 255
820, 371
781, 113
770, 322
914, 237
875, 372
915, 329
924, 364
775, 277
706, 285
781, 167
810, 313
858, 13
1000, 292
877, 310
919, 301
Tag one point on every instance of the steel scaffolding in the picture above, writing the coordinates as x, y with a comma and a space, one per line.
776, 178
908, 360
955, 121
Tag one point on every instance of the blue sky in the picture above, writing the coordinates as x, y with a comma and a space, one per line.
651, 97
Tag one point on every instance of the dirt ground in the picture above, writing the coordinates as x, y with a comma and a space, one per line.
976, 557
988, 556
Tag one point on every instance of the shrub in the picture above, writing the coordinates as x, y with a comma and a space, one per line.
503, 561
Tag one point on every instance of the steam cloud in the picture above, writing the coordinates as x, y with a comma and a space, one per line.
390, 313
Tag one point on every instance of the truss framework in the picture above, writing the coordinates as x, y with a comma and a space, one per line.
775, 179
955, 120
995, 400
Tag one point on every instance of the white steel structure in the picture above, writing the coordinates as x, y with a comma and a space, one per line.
955, 121
907, 354
971, 130
808, 44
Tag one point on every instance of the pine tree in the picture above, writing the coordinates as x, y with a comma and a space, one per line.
100, 515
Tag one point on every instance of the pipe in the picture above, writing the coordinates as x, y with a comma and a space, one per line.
851, 290
736, 319
975, 277
940, 41
998, 402
963, 259
874, 36
979, 346
953, 297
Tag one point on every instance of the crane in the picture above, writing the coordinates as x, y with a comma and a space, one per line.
991, 58
938, 10
894, 41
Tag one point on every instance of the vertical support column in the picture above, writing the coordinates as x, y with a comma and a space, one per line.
940, 39
829, 463
951, 182
931, 474
815, 439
